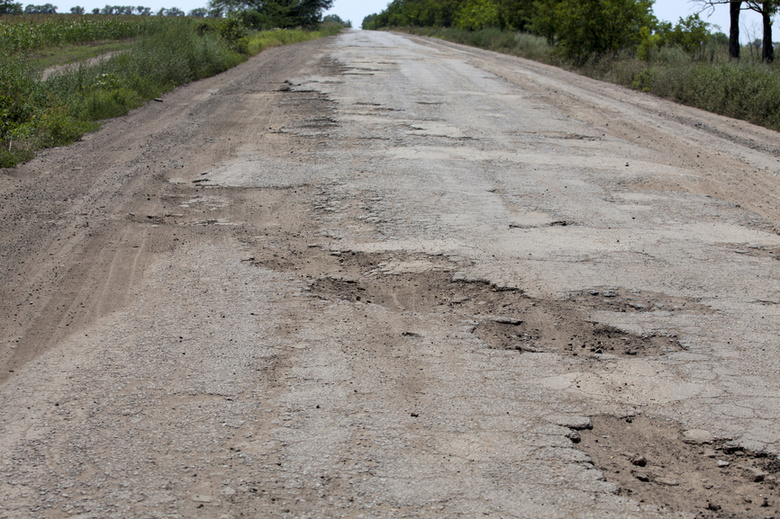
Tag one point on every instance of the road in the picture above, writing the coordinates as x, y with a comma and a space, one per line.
385, 276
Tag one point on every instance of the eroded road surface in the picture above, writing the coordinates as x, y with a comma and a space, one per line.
383, 276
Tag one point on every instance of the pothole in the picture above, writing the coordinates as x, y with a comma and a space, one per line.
655, 461
505, 318
622, 300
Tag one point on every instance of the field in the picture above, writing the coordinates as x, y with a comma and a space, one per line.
27, 33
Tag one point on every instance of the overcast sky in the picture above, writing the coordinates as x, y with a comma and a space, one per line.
356, 10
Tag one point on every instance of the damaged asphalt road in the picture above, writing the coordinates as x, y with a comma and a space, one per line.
384, 276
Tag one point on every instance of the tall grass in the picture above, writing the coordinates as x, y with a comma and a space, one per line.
746, 89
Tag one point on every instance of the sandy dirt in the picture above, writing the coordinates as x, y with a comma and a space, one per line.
384, 276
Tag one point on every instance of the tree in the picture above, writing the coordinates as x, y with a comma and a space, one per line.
478, 14
77, 9
735, 8
690, 34
336, 20
8, 7
766, 10
200, 12
582, 28
281, 13
40, 9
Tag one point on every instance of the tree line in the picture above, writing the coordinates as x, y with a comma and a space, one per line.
579, 29
256, 14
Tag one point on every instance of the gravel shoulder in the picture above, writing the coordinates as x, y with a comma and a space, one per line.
386, 276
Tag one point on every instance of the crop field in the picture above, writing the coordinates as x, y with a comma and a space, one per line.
30, 33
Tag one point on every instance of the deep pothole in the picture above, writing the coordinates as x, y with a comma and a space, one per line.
505, 319
655, 461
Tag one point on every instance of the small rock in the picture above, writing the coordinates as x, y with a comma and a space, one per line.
577, 423
609, 293
713, 507
641, 476
669, 482
698, 437
639, 460
574, 436
507, 320
200, 498
723, 464
754, 474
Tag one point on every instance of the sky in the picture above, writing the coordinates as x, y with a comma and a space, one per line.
356, 10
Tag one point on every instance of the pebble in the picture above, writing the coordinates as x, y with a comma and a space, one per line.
698, 437
723, 464
754, 474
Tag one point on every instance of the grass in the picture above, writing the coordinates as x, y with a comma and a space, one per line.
75, 53
745, 89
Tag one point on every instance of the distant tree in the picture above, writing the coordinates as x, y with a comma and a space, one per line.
369, 22
174, 11
108, 9
8, 7
77, 9
336, 19
200, 12
143, 11
40, 9
280, 13
96, 10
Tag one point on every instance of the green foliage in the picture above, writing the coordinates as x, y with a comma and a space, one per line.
580, 28
8, 7
234, 33
266, 14
478, 14
336, 19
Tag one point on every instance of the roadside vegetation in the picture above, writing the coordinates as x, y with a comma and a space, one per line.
151, 55
619, 41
